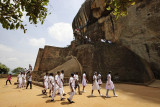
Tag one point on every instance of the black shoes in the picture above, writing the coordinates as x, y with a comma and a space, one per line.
52, 100
62, 99
64, 94
70, 100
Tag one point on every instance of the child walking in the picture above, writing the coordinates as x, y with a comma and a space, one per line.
95, 85
99, 80
57, 86
9, 79
50, 83
71, 85
110, 85
84, 81
45, 83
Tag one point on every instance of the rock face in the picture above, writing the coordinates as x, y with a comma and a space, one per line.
100, 57
139, 31
133, 55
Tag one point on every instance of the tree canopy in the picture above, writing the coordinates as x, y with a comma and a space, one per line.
11, 12
3, 69
18, 70
119, 7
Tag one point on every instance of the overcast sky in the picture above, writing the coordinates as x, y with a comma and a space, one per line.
19, 50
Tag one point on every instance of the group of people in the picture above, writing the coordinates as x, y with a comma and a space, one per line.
55, 83
23, 77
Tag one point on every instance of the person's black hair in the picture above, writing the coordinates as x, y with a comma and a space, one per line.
46, 73
76, 72
109, 72
51, 74
58, 72
84, 72
72, 74
62, 71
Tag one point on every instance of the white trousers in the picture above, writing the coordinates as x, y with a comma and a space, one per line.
46, 85
71, 95
62, 89
54, 92
20, 83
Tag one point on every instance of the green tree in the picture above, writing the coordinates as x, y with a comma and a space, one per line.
18, 70
11, 12
3, 69
119, 7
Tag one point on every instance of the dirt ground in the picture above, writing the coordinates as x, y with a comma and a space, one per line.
128, 96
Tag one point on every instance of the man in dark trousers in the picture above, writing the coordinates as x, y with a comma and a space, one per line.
29, 81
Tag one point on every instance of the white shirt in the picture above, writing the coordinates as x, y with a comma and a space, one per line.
71, 82
20, 77
84, 76
30, 78
24, 76
94, 77
50, 79
76, 77
99, 76
45, 78
109, 77
62, 76
58, 79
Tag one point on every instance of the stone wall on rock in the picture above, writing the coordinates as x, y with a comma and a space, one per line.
38, 60
49, 58
139, 31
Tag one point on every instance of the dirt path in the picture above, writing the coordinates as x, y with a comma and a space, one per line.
129, 96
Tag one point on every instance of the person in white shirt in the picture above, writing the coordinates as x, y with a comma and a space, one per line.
99, 79
57, 86
95, 85
24, 79
19, 77
50, 83
45, 83
84, 81
77, 83
71, 85
110, 85
29, 81
62, 82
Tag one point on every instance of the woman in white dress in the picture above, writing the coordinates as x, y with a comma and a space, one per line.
50, 83
110, 85
20, 80
84, 81
95, 85
99, 79
45, 83
24, 79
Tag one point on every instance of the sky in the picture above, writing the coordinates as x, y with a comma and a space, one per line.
19, 50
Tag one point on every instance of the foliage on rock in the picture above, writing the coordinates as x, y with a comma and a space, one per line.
119, 7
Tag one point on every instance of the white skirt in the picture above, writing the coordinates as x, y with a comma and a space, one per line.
50, 86
95, 86
109, 85
46, 85
99, 81
84, 83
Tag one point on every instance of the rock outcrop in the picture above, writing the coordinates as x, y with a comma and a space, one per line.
133, 53
139, 31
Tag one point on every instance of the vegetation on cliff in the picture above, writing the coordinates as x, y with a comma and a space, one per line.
119, 7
